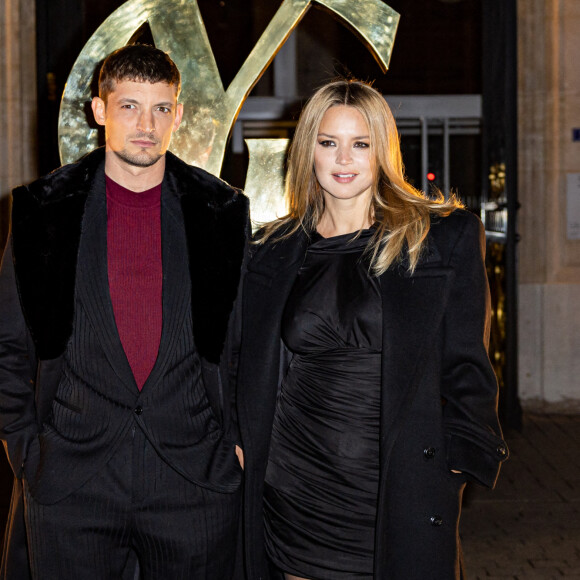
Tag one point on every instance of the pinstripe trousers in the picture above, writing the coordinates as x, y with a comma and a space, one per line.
136, 506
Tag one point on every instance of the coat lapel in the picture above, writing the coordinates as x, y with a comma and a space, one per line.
216, 220
268, 282
413, 308
92, 283
46, 230
176, 292
282, 258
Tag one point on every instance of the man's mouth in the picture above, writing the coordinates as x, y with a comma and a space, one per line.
144, 141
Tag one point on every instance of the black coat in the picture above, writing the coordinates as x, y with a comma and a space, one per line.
58, 429
438, 395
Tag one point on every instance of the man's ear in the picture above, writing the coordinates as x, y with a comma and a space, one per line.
178, 116
98, 106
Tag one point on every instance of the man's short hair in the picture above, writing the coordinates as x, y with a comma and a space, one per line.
137, 62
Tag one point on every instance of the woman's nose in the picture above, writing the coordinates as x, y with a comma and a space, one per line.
343, 156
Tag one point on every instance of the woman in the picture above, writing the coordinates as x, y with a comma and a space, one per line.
366, 396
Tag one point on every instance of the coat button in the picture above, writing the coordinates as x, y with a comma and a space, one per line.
436, 520
138, 410
501, 450
429, 452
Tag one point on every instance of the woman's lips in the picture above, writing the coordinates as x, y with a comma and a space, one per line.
344, 177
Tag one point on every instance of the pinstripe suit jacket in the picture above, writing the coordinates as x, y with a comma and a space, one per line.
67, 393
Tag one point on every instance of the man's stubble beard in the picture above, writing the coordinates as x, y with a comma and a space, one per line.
138, 159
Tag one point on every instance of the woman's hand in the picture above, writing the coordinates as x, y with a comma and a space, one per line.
240, 455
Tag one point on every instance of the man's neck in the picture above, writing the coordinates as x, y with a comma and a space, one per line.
131, 177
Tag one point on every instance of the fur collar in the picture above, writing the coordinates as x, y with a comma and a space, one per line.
46, 228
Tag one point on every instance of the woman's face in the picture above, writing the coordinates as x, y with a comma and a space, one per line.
342, 155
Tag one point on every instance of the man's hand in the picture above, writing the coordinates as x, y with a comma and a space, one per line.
240, 455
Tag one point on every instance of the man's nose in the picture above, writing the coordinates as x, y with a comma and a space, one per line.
146, 122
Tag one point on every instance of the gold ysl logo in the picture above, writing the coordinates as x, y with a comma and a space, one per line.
209, 111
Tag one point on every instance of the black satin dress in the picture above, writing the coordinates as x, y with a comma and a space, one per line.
322, 478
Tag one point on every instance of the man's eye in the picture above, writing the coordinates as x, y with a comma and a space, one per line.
127, 106
164, 109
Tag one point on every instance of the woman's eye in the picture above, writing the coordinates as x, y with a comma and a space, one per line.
326, 143
361, 144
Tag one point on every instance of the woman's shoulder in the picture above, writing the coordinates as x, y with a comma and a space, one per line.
456, 223
274, 234
460, 217
460, 228
276, 231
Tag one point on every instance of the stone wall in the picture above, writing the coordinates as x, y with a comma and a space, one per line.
17, 100
549, 263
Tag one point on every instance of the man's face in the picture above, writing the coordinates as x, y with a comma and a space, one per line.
139, 119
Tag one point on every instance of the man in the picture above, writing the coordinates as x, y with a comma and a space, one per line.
115, 298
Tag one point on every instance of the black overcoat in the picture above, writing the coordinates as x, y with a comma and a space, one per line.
58, 428
438, 395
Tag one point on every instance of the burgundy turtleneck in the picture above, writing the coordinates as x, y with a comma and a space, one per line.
135, 272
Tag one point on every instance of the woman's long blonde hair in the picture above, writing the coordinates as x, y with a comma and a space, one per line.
400, 213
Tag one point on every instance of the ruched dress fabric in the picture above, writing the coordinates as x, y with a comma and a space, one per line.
321, 489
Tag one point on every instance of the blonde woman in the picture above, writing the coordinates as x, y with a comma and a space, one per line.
366, 396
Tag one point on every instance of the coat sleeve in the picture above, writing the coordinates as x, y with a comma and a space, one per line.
18, 422
230, 365
469, 389
233, 341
